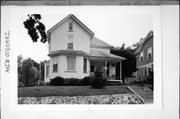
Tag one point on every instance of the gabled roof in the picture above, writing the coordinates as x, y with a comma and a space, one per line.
150, 34
75, 19
95, 42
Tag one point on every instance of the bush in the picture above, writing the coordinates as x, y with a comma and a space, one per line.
98, 80
57, 81
41, 83
20, 84
85, 81
72, 81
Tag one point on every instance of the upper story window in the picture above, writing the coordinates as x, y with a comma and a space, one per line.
149, 52
85, 65
55, 64
71, 63
70, 42
70, 26
141, 56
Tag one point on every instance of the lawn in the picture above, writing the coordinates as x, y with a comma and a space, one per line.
43, 91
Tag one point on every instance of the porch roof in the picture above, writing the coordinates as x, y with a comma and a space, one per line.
69, 52
104, 56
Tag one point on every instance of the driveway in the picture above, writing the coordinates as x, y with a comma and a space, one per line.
143, 92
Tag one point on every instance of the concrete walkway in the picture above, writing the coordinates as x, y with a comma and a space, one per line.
144, 93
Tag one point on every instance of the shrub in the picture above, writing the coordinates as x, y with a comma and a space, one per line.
98, 80
20, 84
35, 83
72, 81
41, 83
57, 81
85, 81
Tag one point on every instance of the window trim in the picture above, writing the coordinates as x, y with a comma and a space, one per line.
70, 27
149, 49
85, 64
68, 70
71, 48
54, 68
142, 56
55, 63
47, 70
70, 41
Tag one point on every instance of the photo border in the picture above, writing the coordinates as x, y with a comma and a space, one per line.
5, 87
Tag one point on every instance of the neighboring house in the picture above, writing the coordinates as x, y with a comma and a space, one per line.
144, 56
75, 53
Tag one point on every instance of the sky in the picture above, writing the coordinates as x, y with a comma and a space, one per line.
114, 26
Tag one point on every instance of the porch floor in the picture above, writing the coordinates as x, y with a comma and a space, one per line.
114, 82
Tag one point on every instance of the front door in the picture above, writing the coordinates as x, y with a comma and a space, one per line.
92, 68
118, 70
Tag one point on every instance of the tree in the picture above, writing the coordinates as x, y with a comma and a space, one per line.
42, 70
20, 61
35, 28
137, 44
98, 79
128, 65
27, 71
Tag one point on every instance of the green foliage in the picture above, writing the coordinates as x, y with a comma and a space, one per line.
85, 81
35, 27
98, 80
27, 71
57, 81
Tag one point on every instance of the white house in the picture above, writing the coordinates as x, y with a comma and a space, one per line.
75, 53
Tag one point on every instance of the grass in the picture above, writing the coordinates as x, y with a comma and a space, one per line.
43, 91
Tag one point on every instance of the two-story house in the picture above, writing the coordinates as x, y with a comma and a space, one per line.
144, 56
75, 53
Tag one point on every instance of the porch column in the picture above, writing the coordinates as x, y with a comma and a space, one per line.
120, 67
105, 67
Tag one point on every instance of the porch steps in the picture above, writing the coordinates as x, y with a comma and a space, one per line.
114, 82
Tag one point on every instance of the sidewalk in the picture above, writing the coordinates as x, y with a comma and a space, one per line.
144, 93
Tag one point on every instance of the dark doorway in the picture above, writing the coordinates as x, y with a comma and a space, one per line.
118, 70
92, 68
107, 73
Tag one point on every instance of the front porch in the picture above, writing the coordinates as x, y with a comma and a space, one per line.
111, 67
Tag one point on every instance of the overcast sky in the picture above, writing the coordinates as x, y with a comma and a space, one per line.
113, 26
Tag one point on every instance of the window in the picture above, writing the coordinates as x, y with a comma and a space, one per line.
145, 71
70, 42
70, 45
149, 69
85, 65
55, 67
71, 63
70, 26
149, 52
55, 64
47, 71
141, 56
